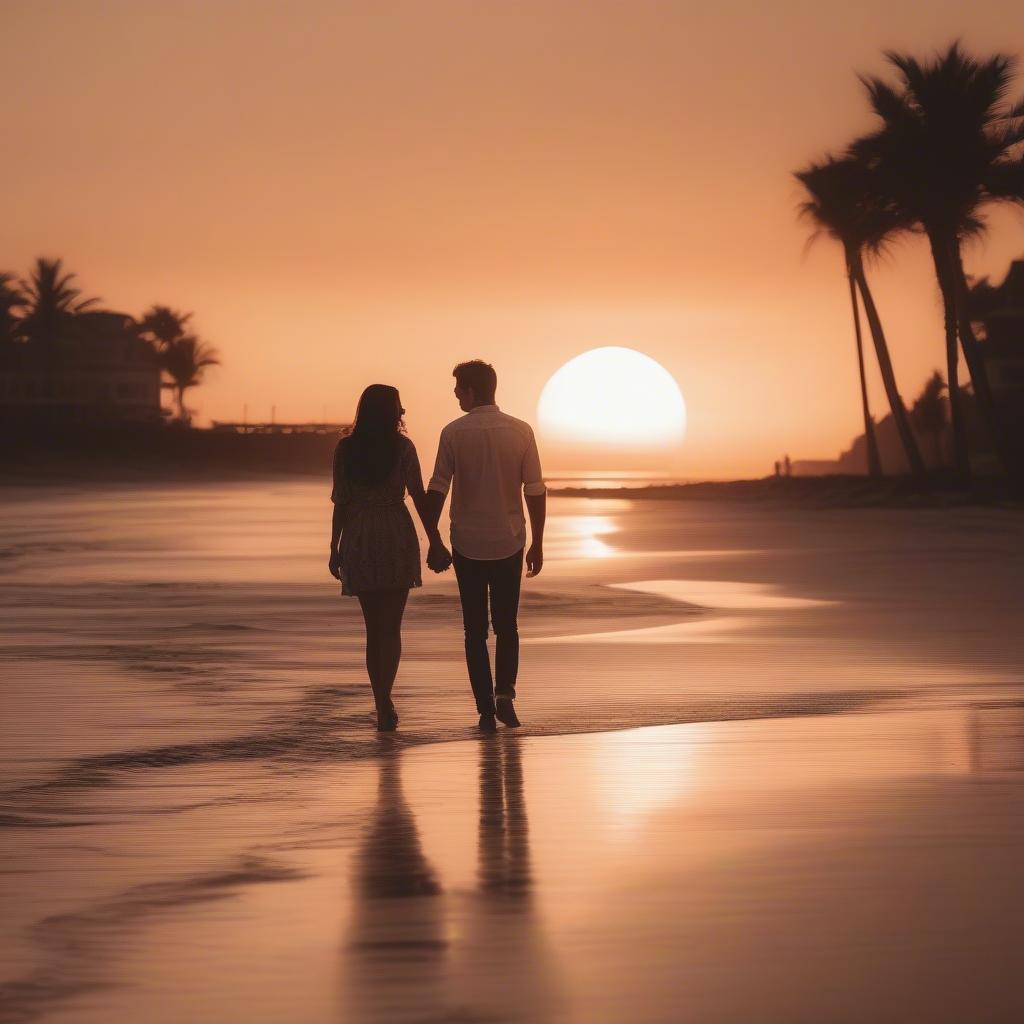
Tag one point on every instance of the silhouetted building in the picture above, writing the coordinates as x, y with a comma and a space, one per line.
1003, 345
97, 371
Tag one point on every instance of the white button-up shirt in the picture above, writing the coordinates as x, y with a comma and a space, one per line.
492, 459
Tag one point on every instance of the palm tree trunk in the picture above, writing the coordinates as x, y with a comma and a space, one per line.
874, 461
899, 411
1006, 451
179, 395
943, 273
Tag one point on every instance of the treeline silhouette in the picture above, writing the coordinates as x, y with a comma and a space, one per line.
947, 145
47, 310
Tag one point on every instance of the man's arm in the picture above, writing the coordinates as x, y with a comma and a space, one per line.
438, 557
414, 485
536, 507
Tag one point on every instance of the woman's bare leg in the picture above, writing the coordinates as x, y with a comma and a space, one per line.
370, 604
390, 652
382, 613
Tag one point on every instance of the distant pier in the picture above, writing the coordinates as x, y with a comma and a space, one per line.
333, 429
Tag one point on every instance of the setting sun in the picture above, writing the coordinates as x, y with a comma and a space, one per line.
613, 396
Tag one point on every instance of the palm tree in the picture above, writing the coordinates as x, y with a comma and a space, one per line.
843, 205
948, 145
50, 300
11, 298
162, 326
929, 413
185, 361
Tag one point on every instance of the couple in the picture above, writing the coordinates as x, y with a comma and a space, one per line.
489, 460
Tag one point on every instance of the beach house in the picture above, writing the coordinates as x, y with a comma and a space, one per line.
1004, 338
98, 371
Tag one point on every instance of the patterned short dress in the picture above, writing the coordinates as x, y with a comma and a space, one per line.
379, 549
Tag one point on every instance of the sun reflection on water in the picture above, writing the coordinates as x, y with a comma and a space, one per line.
723, 594
642, 770
580, 536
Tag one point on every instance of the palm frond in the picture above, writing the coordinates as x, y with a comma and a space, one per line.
886, 102
947, 130
845, 202
162, 326
1005, 181
186, 358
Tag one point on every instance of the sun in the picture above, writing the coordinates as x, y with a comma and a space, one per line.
613, 396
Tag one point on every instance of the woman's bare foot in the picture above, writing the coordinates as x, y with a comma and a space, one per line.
387, 718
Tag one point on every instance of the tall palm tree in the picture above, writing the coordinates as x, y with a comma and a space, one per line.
51, 300
162, 326
949, 143
842, 204
11, 299
929, 413
185, 361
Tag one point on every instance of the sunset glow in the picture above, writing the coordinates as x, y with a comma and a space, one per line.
613, 396
543, 179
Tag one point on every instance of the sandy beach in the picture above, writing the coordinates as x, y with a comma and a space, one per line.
771, 770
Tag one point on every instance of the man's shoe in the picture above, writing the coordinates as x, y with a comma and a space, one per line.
505, 712
488, 724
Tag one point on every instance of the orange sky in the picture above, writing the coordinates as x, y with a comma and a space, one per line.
355, 192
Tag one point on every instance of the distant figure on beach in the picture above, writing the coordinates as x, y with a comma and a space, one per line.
490, 460
374, 550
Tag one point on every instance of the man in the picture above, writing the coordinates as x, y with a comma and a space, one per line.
490, 459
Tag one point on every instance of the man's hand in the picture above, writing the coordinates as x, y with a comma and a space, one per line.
534, 560
334, 565
439, 558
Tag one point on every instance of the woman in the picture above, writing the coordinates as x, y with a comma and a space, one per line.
374, 551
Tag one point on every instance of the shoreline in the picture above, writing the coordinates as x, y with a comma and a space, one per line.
834, 491
820, 491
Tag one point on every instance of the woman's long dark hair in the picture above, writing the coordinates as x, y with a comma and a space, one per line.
370, 452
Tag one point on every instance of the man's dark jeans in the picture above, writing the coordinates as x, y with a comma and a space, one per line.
494, 581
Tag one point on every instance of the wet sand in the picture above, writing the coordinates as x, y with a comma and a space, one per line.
199, 824
847, 868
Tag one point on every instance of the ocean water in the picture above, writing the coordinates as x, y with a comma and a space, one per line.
152, 627
187, 736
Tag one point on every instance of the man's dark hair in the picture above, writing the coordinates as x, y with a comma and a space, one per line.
479, 376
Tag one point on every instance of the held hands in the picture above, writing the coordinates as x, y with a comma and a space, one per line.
534, 560
439, 558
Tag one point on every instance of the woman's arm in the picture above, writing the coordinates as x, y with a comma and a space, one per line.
340, 496
425, 509
337, 522
427, 516
419, 499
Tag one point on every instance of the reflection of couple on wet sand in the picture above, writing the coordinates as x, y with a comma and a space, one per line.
490, 461
419, 953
